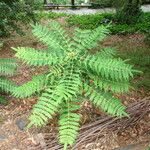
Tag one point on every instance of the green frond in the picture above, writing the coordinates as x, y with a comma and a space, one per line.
111, 85
72, 81
112, 69
52, 97
87, 39
105, 101
68, 124
79, 37
7, 66
57, 70
47, 37
28, 89
107, 52
47, 106
60, 35
6, 85
37, 57
71, 67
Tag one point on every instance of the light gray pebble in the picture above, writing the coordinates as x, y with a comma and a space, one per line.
2, 137
21, 123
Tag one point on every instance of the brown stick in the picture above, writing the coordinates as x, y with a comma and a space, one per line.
93, 131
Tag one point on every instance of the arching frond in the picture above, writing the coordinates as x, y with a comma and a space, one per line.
107, 53
61, 36
110, 85
79, 37
6, 85
7, 66
105, 101
47, 105
88, 39
72, 80
113, 69
53, 96
30, 88
37, 57
71, 67
68, 124
47, 37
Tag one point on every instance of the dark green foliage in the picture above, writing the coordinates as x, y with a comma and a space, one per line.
147, 37
93, 21
88, 21
35, 4
128, 12
145, 1
3, 101
74, 75
50, 15
101, 3
130, 29
127, 17
12, 14
110, 3
9, 2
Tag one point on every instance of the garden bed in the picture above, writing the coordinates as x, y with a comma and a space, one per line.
14, 116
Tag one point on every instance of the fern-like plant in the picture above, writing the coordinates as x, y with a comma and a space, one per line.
7, 68
74, 75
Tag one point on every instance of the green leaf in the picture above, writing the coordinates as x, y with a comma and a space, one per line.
37, 57
105, 101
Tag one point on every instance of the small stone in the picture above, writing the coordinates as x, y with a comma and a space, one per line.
2, 137
133, 135
21, 124
125, 102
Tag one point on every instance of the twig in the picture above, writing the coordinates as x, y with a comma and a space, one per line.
94, 131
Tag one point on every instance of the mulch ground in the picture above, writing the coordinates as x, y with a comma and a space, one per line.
13, 138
